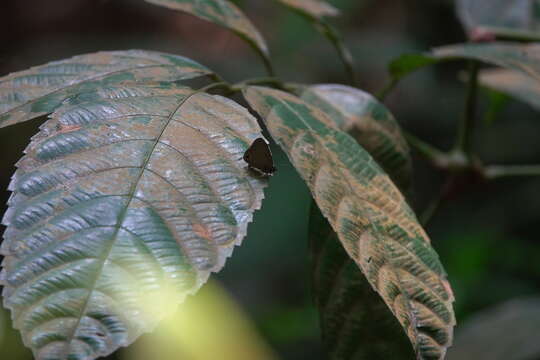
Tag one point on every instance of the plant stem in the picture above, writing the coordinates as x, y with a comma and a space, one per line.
499, 171
428, 151
267, 64
260, 81
383, 93
467, 124
272, 81
436, 202
264, 57
344, 54
223, 84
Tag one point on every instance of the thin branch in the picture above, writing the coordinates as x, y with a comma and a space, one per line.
428, 151
467, 124
260, 81
264, 57
383, 93
344, 54
267, 64
437, 201
499, 171
269, 81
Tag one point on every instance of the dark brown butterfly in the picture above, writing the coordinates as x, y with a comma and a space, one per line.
259, 158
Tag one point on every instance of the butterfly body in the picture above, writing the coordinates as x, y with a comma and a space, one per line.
259, 158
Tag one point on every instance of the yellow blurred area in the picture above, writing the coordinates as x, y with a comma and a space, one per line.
208, 326
11, 347
3, 324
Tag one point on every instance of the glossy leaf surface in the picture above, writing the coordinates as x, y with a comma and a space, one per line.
27, 94
125, 192
370, 215
369, 122
220, 12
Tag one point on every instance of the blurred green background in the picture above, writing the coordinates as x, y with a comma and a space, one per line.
486, 233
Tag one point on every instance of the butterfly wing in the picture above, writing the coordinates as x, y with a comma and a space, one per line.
259, 157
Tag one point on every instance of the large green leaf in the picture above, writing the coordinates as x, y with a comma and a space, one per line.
355, 321
40, 90
513, 83
369, 122
316, 9
126, 192
221, 12
371, 217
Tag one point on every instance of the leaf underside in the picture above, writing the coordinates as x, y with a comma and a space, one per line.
518, 57
25, 95
371, 217
370, 123
125, 192
345, 299
355, 321
513, 56
220, 12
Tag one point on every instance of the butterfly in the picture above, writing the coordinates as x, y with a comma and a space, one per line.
259, 158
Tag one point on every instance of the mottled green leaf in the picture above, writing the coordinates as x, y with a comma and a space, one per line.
370, 123
223, 13
355, 321
513, 83
371, 217
40, 90
508, 331
316, 9
125, 193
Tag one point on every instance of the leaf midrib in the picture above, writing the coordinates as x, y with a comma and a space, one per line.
121, 219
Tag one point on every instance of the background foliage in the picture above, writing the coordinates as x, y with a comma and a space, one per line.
485, 233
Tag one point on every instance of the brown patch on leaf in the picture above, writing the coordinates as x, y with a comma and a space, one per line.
480, 34
202, 231
62, 129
